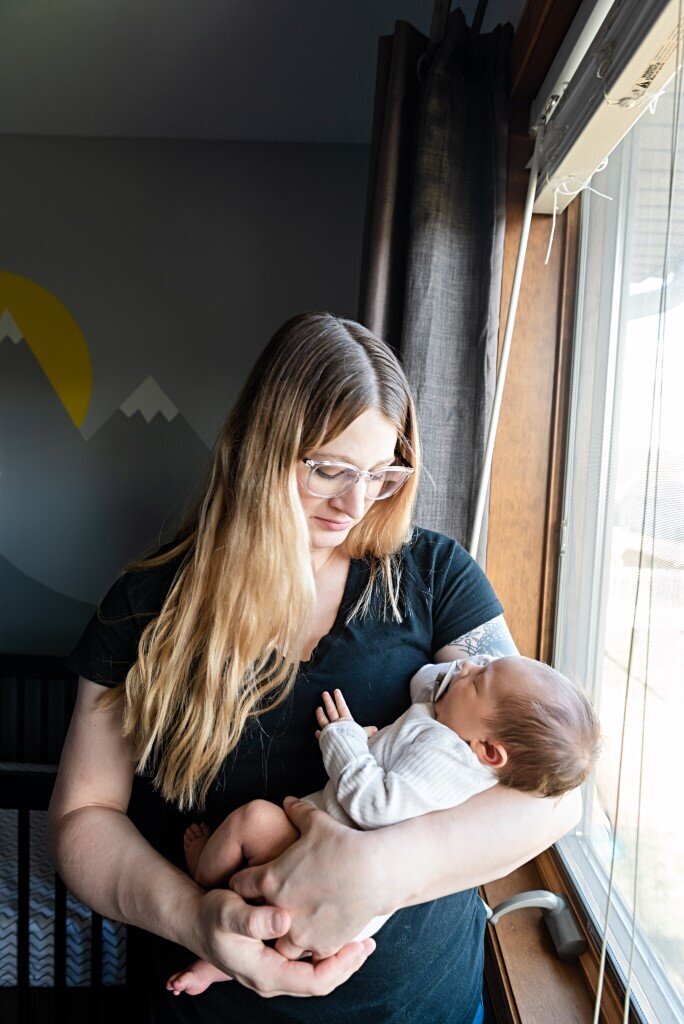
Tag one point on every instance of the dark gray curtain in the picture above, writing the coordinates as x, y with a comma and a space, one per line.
433, 246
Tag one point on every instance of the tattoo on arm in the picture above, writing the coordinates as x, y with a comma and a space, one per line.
491, 638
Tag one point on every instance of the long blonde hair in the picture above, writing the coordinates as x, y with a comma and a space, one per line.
226, 644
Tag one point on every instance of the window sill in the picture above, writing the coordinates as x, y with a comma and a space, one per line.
527, 981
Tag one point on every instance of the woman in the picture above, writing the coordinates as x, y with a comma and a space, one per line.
298, 571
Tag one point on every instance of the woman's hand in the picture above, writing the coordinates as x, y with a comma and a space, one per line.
230, 933
328, 880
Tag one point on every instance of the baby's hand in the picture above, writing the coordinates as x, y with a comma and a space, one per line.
335, 710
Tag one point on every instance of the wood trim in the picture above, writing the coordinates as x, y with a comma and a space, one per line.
496, 977
529, 458
525, 470
559, 432
541, 29
538, 988
553, 877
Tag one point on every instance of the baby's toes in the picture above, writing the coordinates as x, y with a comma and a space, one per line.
194, 832
177, 982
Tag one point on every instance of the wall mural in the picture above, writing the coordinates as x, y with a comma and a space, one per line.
75, 508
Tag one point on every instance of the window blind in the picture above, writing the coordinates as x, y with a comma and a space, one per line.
628, 62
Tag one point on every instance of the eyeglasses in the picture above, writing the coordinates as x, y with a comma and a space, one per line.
331, 479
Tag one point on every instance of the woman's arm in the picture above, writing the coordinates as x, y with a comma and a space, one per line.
485, 838
94, 846
492, 637
105, 862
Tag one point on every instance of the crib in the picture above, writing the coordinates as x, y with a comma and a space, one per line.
59, 960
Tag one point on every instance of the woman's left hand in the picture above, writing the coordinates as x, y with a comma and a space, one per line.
229, 934
345, 896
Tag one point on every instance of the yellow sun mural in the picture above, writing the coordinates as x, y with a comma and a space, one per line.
55, 339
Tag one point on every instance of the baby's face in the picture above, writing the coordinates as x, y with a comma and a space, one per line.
471, 699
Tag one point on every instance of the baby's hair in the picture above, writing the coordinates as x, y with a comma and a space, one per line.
552, 738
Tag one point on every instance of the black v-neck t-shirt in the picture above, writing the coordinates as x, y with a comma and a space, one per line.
429, 958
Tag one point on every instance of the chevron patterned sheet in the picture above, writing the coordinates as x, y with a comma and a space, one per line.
42, 917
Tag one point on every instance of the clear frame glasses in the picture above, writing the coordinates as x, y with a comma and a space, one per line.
331, 479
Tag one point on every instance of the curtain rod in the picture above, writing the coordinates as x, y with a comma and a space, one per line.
480, 12
440, 17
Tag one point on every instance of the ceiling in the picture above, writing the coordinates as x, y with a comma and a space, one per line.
269, 70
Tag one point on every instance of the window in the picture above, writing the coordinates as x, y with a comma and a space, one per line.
620, 617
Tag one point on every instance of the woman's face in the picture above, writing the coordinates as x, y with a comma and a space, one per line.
368, 444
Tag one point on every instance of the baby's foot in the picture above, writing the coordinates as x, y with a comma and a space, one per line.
196, 978
194, 841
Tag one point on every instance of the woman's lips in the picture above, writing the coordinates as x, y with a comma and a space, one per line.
330, 524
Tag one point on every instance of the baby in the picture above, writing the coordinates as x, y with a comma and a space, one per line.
470, 725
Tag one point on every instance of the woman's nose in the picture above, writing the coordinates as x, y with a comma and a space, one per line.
353, 501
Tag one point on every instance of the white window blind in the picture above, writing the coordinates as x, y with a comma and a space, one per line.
620, 624
629, 60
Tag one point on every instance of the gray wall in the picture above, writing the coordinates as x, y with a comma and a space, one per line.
178, 260
282, 70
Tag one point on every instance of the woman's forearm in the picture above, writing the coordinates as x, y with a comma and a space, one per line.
485, 838
106, 863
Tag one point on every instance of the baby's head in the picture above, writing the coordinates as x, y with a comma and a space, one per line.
526, 721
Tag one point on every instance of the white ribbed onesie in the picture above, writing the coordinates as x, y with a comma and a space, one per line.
410, 767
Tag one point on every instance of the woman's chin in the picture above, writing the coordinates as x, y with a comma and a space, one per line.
322, 540
325, 537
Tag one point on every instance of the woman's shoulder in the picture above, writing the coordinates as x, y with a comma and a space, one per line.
108, 645
441, 569
429, 550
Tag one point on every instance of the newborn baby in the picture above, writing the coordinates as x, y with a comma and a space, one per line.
470, 725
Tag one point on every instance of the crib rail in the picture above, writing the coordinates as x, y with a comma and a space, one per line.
27, 789
37, 696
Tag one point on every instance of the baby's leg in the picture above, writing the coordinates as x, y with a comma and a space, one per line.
256, 833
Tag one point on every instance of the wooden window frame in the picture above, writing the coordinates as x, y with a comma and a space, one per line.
526, 981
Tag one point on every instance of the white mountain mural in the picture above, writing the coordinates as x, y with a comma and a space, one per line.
149, 399
9, 328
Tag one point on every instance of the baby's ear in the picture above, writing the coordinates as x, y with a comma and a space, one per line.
490, 753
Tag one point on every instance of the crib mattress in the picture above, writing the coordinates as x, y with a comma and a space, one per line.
42, 917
